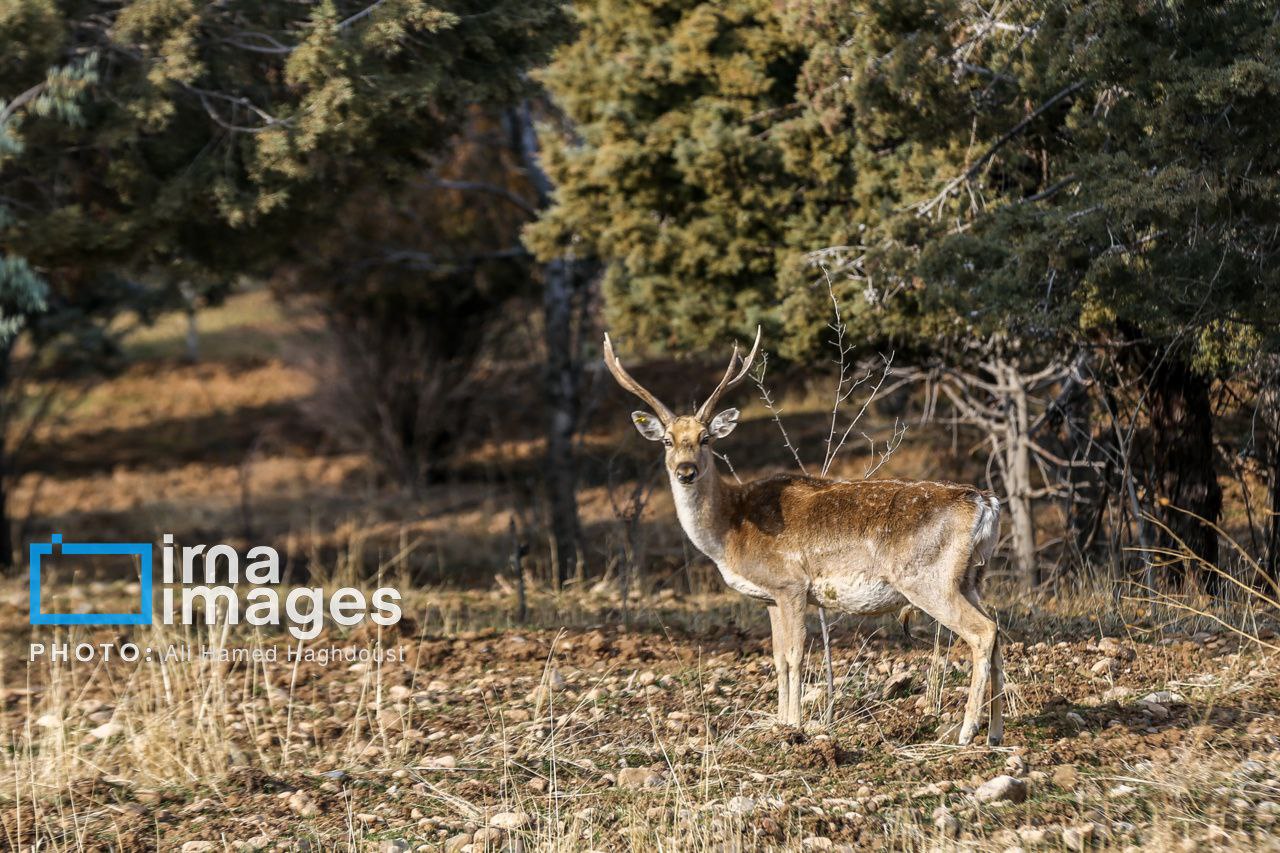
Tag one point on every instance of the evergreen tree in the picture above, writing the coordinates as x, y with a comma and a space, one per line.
212, 138
1037, 179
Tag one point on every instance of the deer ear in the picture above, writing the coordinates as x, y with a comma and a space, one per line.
649, 426
723, 423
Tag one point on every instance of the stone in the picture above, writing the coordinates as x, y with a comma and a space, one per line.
817, 842
1015, 765
1001, 788
1119, 693
199, 847
1034, 836
394, 845
741, 806
1066, 776
442, 762
455, 843
510, 820
1105, 667
897, 686
1075, 719
302, 805
1078, 837
487, 836
106, 731
639, 777
1164, 697
945, 822
1113, 648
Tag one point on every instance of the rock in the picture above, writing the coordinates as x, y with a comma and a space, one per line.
199, 847
741, 806
1250, 770
49, 721
302, 805
1121, 791
437, 686
252, 845
817, 842
394, 845
1113, 648
1015, 765
1066, 776
557, 681
1164, 697
335, 775
639, 777
1266, 812
814, 694
455, 843
1105, 667
897, 686
1034, 836
487, 836
945, 822
1001, 788
368, 818
442, 762
1119, 693
1078, 837
510, 820
1075, 719
106, 731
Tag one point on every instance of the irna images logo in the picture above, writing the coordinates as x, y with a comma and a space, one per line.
213, 584
56, 547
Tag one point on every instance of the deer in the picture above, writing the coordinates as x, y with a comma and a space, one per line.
866, 547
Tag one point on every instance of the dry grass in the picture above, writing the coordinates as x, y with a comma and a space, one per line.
541, 720
487, 716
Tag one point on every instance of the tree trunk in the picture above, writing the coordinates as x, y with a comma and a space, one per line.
1182, 454
6, 525
562, 379
1017, 472
1269, 416
563, 373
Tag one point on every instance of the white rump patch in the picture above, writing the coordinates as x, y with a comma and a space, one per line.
986, 529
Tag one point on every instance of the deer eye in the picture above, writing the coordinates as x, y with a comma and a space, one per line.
667, 441
706, 439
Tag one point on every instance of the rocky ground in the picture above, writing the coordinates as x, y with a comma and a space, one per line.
662, 738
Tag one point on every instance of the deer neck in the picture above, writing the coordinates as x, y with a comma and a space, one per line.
701, 510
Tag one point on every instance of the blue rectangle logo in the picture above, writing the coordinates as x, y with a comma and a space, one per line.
141, 550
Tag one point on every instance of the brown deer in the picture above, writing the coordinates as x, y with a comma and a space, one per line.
867, 547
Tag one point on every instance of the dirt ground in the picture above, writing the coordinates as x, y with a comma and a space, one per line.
659, 737
590, 726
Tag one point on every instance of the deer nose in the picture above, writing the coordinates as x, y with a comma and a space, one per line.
686, 472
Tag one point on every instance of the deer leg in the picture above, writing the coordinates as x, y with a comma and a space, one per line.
954, 610
995, 725
792, 633
779, 660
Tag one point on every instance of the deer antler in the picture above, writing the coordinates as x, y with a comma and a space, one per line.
730, 378
624, 379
